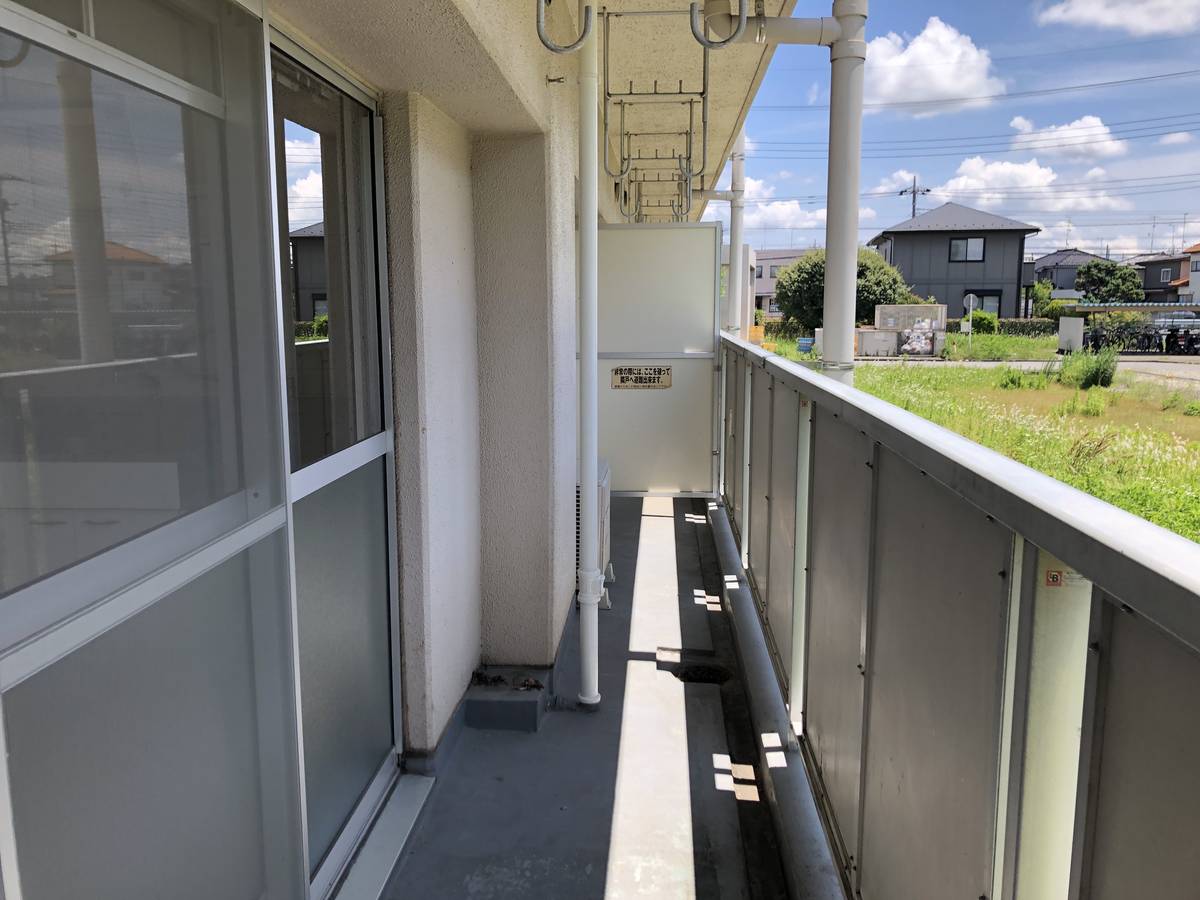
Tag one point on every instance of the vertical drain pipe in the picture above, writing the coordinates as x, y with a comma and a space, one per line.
591, 581
848, 56
737, 209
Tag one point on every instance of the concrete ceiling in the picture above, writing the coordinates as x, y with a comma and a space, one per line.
480, 61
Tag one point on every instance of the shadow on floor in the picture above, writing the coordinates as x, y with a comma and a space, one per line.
654, 794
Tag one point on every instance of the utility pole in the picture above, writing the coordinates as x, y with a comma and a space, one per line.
1153, 228
915, 191
5, 206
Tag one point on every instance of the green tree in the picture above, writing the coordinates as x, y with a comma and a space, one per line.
1105, 281
1042, 293
800, 289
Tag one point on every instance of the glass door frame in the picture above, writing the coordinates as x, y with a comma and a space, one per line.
50, 618
326, 471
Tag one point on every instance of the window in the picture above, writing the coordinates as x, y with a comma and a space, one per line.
327, 213
775, 271
129, 404
774, 308
984, 302
1196, 264
1164, 276
966, 249
758, 271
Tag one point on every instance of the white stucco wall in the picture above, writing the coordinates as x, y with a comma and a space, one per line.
433, 292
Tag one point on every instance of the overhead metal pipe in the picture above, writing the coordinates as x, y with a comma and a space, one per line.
848, 56
591, 579
778, 29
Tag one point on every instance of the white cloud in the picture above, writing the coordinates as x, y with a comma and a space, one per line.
897, 181
1137, 17
774, 213
985, 184
305, 200
1098, 240
940, 63
1085, 139
785, 174
814, 93
1177, 137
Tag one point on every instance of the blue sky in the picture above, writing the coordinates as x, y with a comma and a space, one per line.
1094, 168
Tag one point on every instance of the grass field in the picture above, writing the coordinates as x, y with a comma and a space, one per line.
1000, 347
1134, 444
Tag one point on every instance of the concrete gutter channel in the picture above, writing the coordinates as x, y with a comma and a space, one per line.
808, 860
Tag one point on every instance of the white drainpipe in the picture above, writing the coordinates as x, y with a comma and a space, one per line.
591, 580
736, 289
848, 55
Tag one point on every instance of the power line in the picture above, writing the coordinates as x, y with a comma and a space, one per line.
1027, 147
1015, 95
1102, 127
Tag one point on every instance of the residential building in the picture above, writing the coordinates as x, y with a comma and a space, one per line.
1188, 292
287, 623
952, 251
1163, 274
309, 278
770, 263
1060, 269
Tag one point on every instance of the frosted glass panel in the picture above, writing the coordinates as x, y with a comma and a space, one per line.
342, 588
159, 760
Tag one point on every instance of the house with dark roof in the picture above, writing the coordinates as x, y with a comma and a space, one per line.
310, 281
952, 251
1061, 267
1163, 274
1187, 293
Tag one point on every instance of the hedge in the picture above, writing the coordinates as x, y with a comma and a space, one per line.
1020, 327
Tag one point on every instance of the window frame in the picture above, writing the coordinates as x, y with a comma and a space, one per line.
55, 615
1164, 275
966, 242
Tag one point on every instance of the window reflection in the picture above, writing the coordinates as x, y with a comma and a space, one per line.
131, 330
327, 246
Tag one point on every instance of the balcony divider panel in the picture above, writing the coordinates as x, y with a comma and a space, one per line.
785, 432
760, 482
742, 422
1148, 789
935, 667
730, 475
841, 512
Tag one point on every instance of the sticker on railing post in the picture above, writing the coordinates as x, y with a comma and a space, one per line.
641, 378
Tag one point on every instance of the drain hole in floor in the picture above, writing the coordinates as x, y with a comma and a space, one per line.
702, 674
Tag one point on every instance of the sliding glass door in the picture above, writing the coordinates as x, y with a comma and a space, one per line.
340, 450
198, 598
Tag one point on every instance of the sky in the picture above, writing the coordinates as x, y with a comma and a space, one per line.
1112, 168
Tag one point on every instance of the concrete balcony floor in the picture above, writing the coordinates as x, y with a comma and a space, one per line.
656, 794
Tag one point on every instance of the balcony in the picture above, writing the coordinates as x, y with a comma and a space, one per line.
941, 675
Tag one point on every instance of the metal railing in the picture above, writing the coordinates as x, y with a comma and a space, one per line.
994, 675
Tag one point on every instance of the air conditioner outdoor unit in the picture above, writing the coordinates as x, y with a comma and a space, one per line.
605, 529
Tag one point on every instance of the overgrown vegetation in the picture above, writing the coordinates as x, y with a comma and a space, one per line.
1086, 370
999, 347
316, 330
800, 288
1133, 444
